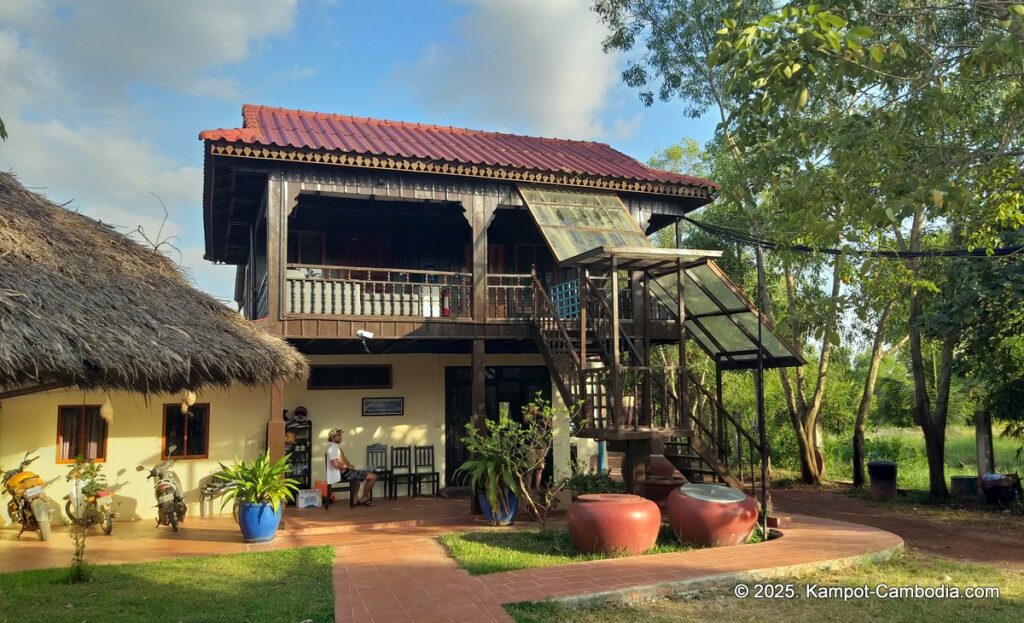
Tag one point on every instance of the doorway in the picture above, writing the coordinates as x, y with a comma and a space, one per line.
507, 389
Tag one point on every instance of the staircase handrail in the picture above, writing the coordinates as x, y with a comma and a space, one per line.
543, 300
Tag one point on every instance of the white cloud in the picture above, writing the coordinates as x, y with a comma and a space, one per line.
535, 63
67, 70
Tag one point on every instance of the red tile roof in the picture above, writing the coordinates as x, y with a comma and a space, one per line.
280, 127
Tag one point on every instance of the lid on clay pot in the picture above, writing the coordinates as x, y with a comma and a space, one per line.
712, 493
609, 497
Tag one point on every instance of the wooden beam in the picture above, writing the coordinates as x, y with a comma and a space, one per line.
616, 363
275, 421
478, 395
684, 407
277, 250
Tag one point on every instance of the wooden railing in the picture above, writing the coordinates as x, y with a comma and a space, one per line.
382, 292
509, 297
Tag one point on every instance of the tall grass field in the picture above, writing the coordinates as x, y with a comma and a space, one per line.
905, 446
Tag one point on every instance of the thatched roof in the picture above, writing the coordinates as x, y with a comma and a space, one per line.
83, 305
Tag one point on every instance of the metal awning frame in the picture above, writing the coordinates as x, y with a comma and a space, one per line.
662, 262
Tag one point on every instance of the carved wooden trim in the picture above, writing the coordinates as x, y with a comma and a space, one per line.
417, 165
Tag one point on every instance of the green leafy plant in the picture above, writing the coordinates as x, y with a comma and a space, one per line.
91, 474
259, 481
497, 454
596, 482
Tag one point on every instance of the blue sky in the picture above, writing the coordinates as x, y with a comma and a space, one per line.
103, 100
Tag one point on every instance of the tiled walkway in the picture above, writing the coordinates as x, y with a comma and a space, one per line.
410, 578
390, 570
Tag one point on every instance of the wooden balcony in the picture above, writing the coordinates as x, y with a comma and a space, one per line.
321, 301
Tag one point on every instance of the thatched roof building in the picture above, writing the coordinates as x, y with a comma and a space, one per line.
83, 305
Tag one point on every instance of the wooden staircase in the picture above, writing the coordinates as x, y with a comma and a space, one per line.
598, 370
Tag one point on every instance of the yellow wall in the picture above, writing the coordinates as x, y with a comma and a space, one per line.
238, 426
419, 379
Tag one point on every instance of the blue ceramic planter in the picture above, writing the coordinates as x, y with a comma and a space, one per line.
493, 516
258, 522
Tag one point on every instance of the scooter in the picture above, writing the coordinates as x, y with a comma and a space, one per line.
29, 505
170, 502
90, 502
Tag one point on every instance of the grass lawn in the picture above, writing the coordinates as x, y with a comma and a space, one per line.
285, 585
494, 551
720, 604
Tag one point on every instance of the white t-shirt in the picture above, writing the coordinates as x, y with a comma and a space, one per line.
333, 454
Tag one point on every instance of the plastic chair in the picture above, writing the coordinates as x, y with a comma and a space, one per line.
424, 460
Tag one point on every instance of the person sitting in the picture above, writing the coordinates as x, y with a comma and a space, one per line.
339, 469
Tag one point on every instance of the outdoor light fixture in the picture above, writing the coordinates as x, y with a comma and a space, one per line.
363, 334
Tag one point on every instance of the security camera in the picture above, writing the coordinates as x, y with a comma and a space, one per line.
366, 335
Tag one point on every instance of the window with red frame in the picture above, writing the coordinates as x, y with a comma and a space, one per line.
81, 432
190, 432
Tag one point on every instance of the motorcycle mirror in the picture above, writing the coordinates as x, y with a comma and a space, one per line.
139, 468
31, 451
171, 449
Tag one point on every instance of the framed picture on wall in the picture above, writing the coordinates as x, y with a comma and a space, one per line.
383, 406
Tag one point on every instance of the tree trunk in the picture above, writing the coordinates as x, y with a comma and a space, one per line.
865, 399
808, 463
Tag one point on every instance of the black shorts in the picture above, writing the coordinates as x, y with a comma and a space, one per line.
354, 475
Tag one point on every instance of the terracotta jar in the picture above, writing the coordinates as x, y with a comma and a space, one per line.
657, 489
661, 466
711, 515
613, 523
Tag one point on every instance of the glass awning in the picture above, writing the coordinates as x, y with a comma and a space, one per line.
573, 222
590, 230
722, 320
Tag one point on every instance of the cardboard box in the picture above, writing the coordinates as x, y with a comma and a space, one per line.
308, 498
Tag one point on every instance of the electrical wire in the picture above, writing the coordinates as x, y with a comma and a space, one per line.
736, 235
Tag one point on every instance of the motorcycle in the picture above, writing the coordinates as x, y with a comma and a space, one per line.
170, 502
29, 505
90, 502
212, 487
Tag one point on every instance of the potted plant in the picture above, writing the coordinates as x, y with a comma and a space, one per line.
262, 488
497, 454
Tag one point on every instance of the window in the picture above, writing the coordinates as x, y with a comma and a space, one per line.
349, 377
81, 432
190, 432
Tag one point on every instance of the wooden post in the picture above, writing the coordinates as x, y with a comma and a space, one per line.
277, 252
581, 276
479, 212
983, 442
646, 404
719, 415
275, 423
478, 396
617, 415
684, 407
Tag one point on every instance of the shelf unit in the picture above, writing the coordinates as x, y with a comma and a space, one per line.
298, 441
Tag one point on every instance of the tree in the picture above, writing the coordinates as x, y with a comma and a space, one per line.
920, 138
678, 43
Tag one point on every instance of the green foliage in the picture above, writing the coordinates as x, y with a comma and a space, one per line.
584, 482
259, 481
497, 455
483, 552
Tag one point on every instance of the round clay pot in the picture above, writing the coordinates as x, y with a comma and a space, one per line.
661, 466
657, 489
711, 515
613, 523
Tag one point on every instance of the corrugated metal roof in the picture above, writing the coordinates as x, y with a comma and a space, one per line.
299, 129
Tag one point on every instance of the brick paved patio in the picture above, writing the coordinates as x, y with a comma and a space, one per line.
390, 567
